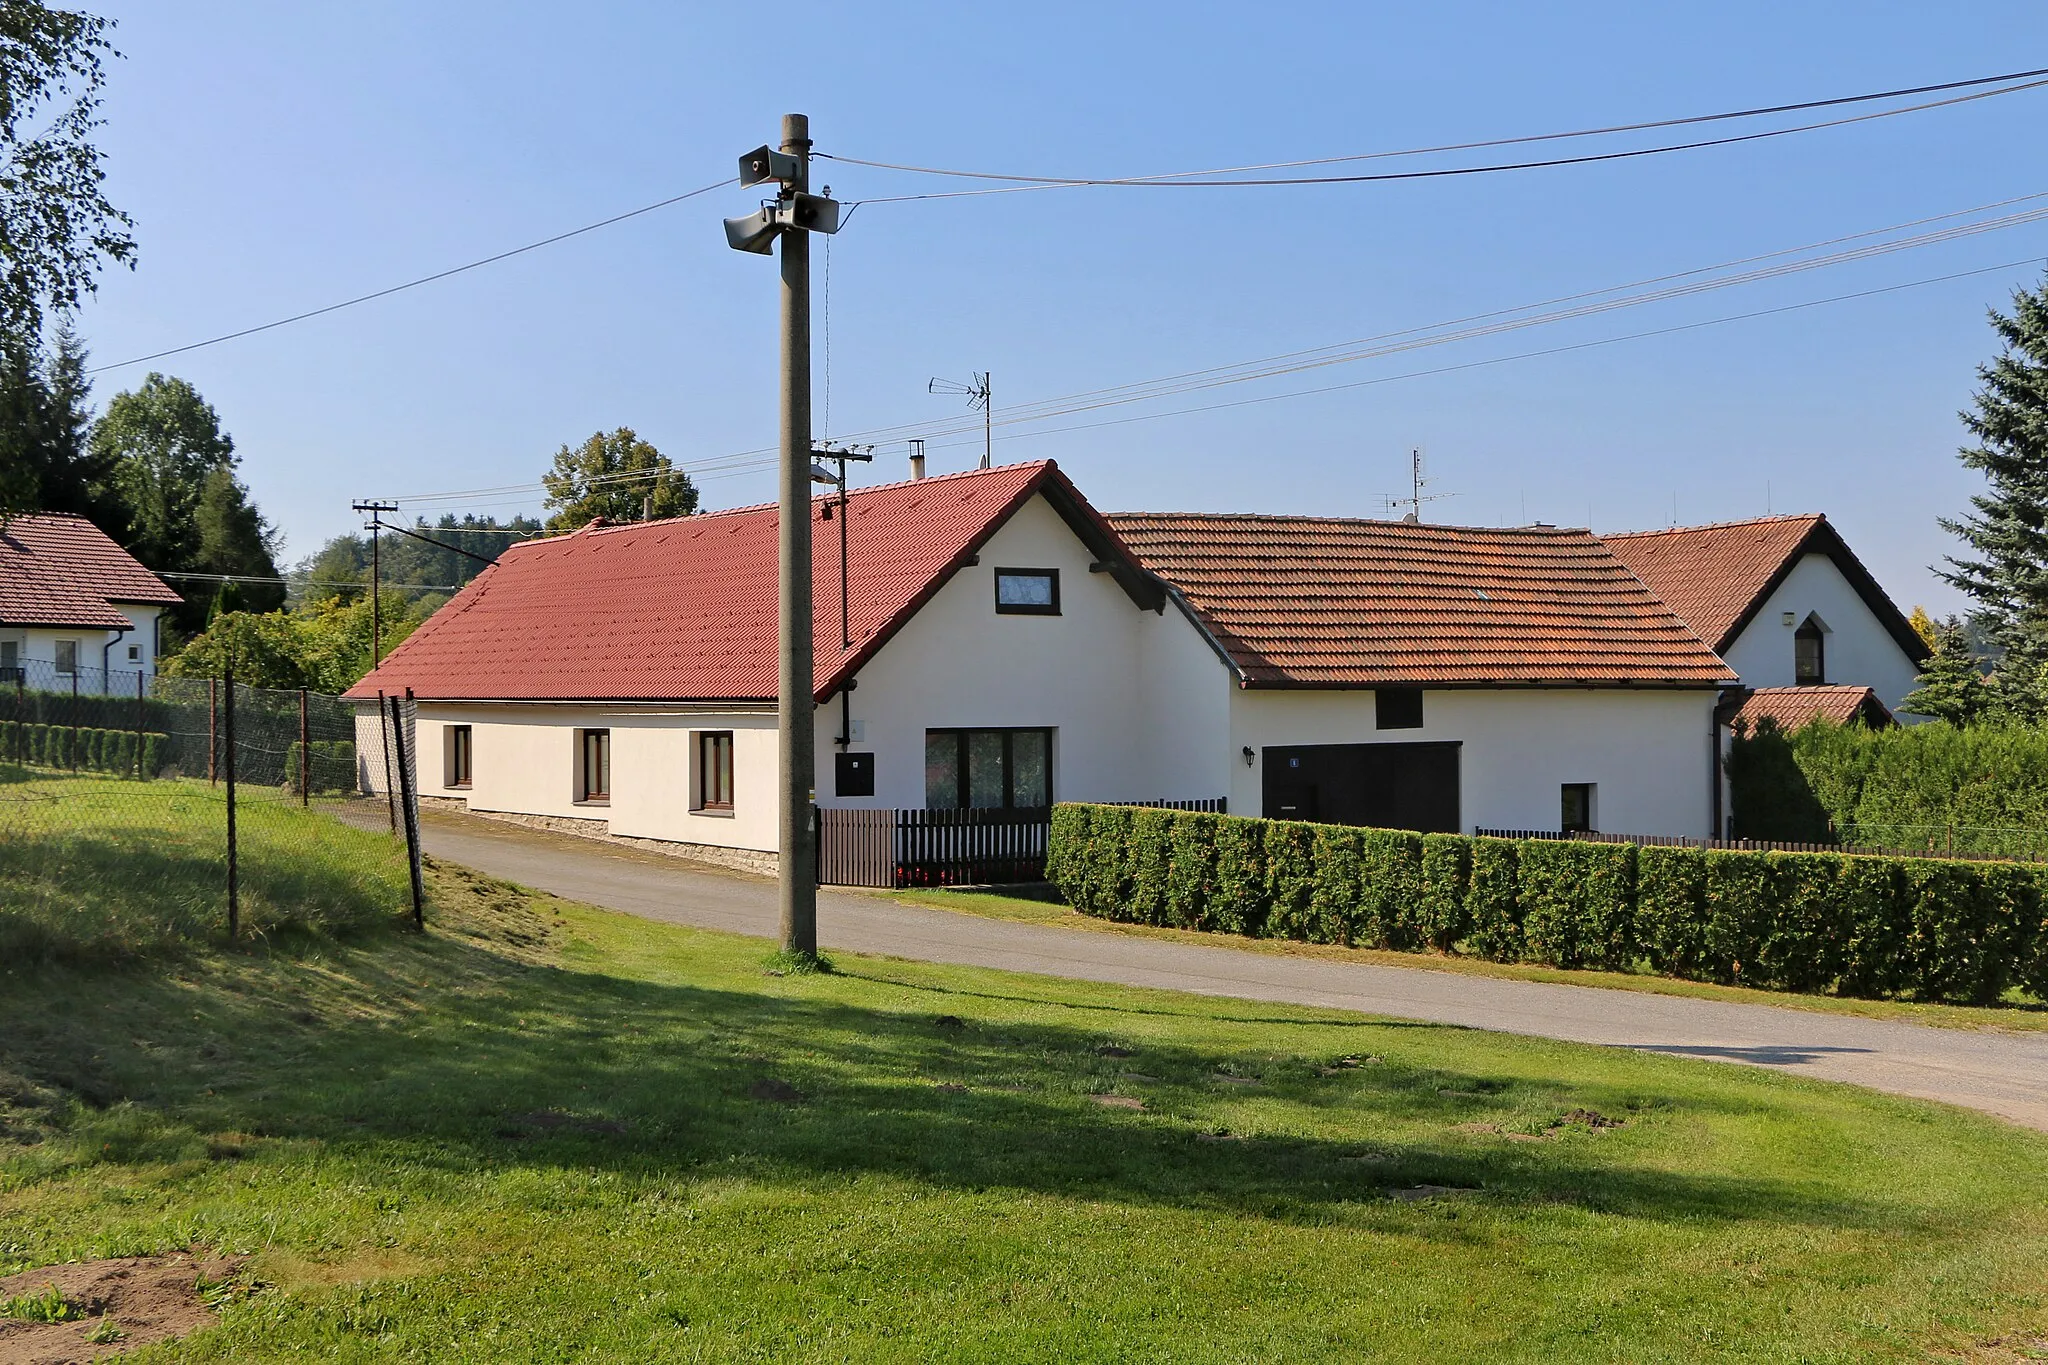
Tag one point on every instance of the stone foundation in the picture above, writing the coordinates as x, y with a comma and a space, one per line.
752, 860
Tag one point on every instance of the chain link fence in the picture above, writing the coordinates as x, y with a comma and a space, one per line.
138, 812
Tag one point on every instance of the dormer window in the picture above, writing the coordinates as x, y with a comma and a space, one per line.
1810, 654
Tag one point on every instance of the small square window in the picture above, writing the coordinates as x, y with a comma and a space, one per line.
1397, 708
134, 654
714, 770
1576, 813
457, 741
1028, 592
594, 766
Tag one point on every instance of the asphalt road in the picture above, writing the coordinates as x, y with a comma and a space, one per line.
2000, 1073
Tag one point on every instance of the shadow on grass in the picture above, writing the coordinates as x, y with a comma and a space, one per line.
512, 1066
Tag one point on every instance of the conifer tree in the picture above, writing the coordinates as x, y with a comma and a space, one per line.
2006, 565
1951, 687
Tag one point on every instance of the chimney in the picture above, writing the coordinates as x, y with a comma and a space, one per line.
917, 459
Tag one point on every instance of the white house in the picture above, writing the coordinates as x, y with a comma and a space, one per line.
1789, 606
1008, 646
76, 610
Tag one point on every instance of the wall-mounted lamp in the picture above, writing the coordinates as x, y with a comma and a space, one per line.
1249, 757
1787, 618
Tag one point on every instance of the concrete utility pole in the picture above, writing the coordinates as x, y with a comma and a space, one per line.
792, 216
796, 730
375, 528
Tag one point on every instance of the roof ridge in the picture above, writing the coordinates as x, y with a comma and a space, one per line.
1808, 517
755, 508
1396, 524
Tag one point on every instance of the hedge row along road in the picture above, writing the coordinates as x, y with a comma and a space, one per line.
2003, 1074
1865, 926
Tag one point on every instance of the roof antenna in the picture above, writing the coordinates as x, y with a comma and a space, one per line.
978, 395
1417, 481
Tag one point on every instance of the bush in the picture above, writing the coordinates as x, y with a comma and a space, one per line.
1578, 903
1859, 925
1442, 919
1492, 903
78, 748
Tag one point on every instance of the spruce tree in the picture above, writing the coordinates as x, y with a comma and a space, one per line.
1951, 687
2006, 567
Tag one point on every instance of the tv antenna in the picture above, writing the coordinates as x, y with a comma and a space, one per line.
977, 395
1417, 481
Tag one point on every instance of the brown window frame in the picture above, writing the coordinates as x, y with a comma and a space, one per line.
962, 737
590, 792
1027, 608
714, 771
461, 753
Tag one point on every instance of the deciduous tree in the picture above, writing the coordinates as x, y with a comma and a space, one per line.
617, 476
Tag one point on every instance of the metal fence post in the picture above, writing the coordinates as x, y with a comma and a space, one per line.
384, 733
212, 729
305, 754
228, 725
74, 716
141, 719
412, 818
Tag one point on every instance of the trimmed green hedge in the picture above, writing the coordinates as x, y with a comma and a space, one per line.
80, 749
1926, 928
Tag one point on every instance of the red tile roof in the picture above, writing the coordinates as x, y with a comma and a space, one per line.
685, 608
1323, 602
1715, 576
58, 570
1793, 707
1718, 577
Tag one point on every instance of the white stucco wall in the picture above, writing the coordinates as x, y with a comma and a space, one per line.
1859, 650
523, 759
1108, 677
36, 647
1647, 752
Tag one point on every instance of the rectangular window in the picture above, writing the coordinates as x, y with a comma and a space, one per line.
134, 654
67, 656
1576, 815
1028, 592
594, 765
714, 770
457, 740
1397, 708
987, 769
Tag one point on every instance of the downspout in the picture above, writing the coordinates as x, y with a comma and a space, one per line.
845, 740
106, 673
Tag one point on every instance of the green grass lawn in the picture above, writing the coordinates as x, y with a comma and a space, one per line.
102, 869
2018, 1012
543, 1132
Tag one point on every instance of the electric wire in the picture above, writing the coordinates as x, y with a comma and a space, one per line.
1205, 177
414, 284
1520, 355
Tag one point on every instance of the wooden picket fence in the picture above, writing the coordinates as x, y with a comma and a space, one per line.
904, 848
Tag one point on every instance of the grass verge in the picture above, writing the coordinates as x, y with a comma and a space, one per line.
2020, 1013
542, 1131
101, 869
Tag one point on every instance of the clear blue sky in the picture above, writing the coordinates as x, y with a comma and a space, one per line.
277, 158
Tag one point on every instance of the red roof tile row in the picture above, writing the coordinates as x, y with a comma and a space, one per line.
1715, 576
1793, 707
60, 570
1324, 602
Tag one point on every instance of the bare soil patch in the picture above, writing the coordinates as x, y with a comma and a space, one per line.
144, 1298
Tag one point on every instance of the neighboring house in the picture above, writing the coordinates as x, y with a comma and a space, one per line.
1784, 601
1011, 647
76, 610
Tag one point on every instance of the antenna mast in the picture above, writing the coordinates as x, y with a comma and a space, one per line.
979, 394
1417, 481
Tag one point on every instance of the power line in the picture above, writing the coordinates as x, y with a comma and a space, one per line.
302, 582
1526, 355
1198, 179
413, 284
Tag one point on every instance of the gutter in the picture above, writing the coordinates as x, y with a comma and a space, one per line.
106, 673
